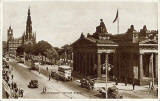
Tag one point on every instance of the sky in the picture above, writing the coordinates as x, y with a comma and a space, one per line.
62, 22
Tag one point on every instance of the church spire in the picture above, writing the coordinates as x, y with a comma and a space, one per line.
29, 13
29, 23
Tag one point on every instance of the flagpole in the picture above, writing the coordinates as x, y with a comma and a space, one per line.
118, 23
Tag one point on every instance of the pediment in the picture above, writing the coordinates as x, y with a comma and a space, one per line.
83, 42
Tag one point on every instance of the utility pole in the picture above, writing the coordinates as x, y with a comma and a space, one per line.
106, 73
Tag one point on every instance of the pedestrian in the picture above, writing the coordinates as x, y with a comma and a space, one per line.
49, 76
71, 78
125, 81
22, 92
12, 85
45, 89
15, 85
19, 92
116, 81
47, 68
133, 84
12, 76
152, 85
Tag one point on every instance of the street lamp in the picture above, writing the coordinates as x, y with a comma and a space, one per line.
106, 73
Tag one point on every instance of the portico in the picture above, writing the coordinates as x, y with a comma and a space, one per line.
129, 56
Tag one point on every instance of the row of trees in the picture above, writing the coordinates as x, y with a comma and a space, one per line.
42, 47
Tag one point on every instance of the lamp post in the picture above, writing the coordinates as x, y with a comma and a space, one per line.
106, 73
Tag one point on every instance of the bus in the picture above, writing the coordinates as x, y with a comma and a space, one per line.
64, 72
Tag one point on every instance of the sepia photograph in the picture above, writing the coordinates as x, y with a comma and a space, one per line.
71, 49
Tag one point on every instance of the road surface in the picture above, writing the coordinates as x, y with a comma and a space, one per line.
55, 90
65, 90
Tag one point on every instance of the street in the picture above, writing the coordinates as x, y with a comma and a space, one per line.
60, 89
66, 90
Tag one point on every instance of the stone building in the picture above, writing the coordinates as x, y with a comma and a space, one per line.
28, 36
132, 55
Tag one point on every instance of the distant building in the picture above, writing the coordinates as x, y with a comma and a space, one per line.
4, 44
28, 36
132, 55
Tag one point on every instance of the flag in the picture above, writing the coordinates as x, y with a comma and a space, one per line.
116, 17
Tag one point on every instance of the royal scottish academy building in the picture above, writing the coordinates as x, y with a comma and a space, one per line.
128, 56
28, 36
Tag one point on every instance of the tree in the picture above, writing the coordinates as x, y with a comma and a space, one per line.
20, 50
51, 53
28, 48
43, 46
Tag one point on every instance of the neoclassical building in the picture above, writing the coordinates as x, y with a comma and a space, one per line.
27, 37
132, 55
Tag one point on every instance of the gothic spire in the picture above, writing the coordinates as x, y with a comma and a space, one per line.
29, 23
29, 11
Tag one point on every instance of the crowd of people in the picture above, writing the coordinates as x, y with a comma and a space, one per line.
8, 77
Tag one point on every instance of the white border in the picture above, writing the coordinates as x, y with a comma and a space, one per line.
1, 31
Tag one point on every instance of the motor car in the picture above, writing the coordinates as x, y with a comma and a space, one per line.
34, 65
54, 75
87, 83
112, 92
33, 84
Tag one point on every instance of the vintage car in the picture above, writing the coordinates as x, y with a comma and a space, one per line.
87, 83
112, 92
34, 65
33, 84
54, 75
20, 59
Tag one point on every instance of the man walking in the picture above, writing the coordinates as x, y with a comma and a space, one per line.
116, 81
49, 76
12, 76
133, 84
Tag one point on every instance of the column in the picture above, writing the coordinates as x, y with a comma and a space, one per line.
72, 56
156, 65
99, 65
75, 62
140, 72
86, 64
82, 58
89, 64
151, 72
72, 60
94, 63
115, 64
80, 62
131, 65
